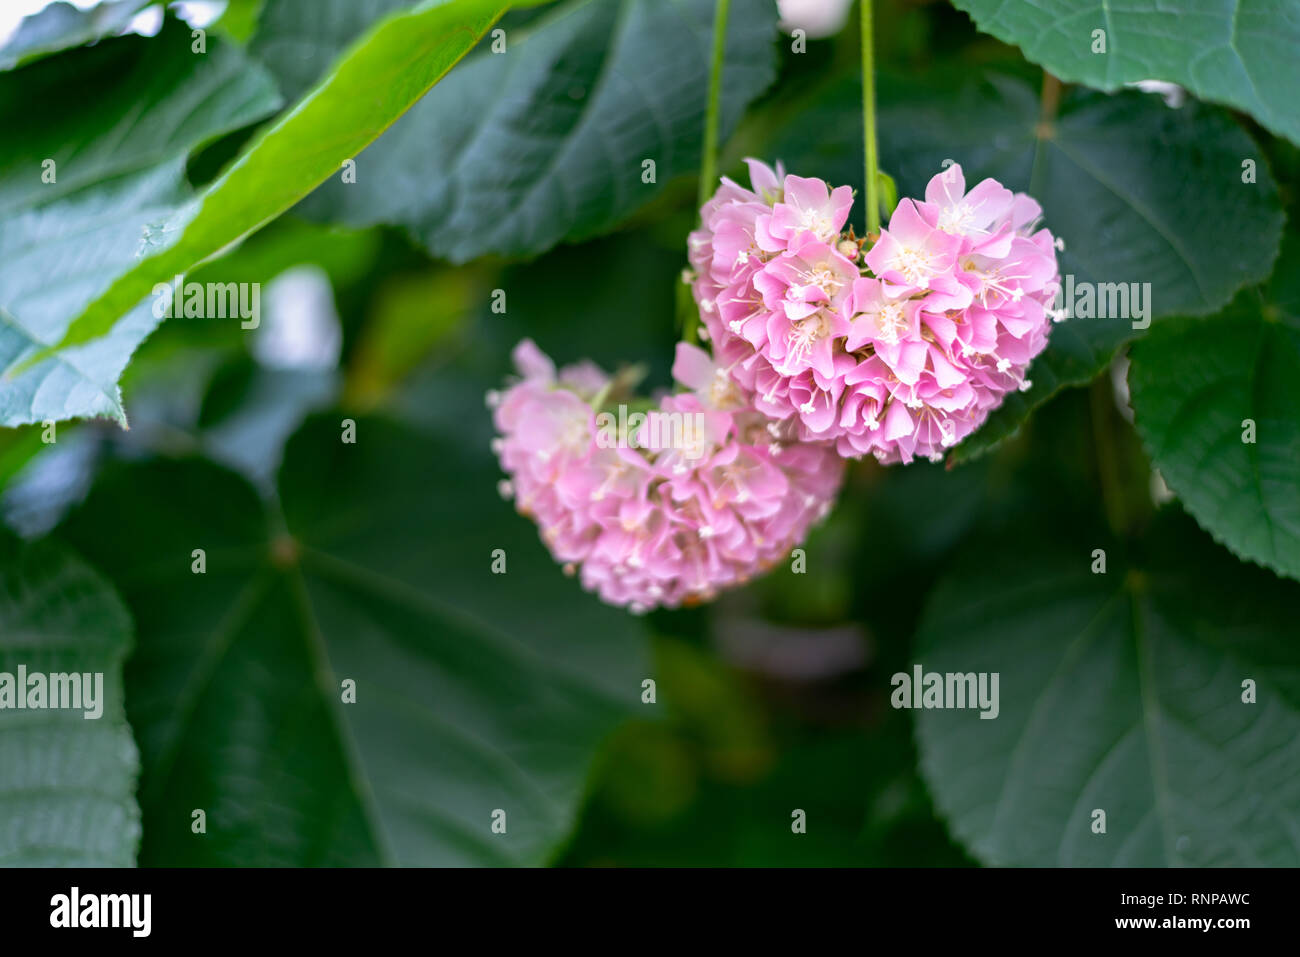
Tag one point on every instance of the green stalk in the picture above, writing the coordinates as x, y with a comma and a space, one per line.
869, 120
709, 161
709, 164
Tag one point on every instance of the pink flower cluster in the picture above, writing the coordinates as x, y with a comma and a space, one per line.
902, 358
647, 522
824, 348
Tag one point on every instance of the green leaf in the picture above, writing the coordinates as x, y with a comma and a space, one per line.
548, 142
1120, 692
67, 792
372, 84
888, 194
298, 40
1238, 53
118, 169
474, 691
1130, 186
239, 20
1202, 388
60, 26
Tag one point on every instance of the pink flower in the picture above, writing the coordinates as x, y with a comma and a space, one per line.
645, 521
808, 208
803, 292
899, 352
912, 254
949, 207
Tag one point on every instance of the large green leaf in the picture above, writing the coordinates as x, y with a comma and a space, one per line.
546, 142
1120, 692
61, 25
67, 791
1238, 52
372, 84
299, 39
1217, 403
474, 691
119, 164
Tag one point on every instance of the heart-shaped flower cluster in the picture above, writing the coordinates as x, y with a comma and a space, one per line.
699, 493
899, 349
824, 348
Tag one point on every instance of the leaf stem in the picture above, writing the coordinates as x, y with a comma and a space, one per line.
1108, 470
1050, 100
869, 120
709, 163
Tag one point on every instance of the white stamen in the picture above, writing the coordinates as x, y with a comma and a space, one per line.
803, 335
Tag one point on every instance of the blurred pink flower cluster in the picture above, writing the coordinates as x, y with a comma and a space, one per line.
898, 349
648, 523
825, 347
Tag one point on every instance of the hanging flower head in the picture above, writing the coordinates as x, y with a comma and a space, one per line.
660, 507
898, 349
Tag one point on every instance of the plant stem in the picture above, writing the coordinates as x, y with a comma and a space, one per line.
1108, 468
1049, 101
709, 163
869, 119
688, 312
